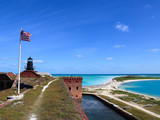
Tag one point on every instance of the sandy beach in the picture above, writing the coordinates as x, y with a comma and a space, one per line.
114, 85
106, 90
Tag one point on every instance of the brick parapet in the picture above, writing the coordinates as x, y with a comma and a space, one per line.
72, 79
74, 85
78, 106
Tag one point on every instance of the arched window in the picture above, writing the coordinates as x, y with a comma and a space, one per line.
76, 95
69, 88
77, 87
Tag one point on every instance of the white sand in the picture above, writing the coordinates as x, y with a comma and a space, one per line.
114, 85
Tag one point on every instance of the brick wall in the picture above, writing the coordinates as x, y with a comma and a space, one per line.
74, 85
29, 73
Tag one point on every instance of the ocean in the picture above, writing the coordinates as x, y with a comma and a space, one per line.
151, 88
92, 79
144, 87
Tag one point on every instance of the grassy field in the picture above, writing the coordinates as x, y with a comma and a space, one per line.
17, 110
8, 92
136, 112
35, 81
55, 104
140, 99
29, 81
123, 78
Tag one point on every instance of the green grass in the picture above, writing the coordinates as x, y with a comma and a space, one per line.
142, 100
136, 112
35, 81
8, 92
123, 78
19, 111
30, 81
57, 104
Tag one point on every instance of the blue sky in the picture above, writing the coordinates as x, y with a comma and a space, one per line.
82, 36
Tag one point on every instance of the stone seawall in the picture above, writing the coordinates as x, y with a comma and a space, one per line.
119, 110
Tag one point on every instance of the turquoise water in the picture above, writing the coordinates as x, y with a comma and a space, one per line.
98, 79
145, 87
96, 110
92, 79
151, 87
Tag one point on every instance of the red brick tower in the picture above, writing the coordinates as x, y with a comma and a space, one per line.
74, 85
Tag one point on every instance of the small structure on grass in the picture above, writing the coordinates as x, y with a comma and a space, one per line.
126, 107
148, 105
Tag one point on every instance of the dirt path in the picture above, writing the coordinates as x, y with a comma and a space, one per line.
33, 115
135, 106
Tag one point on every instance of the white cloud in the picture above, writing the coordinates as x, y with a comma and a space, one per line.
80, 56
9, 59
122, 27
38, 61
109, 58
35, 61
147, 6
154, 50
119, 46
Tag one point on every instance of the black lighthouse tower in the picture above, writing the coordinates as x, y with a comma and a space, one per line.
29, 64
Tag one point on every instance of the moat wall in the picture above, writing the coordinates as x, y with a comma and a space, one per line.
117, 109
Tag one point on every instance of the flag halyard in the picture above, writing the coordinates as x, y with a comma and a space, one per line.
25, 36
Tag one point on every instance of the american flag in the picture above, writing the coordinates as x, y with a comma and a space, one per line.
25, 36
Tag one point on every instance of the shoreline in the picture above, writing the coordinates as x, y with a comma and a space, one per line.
146, 95
114, 85
106, 91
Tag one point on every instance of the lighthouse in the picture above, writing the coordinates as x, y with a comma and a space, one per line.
30, 64
29, 70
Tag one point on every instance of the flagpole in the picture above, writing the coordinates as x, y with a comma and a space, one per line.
19, 64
